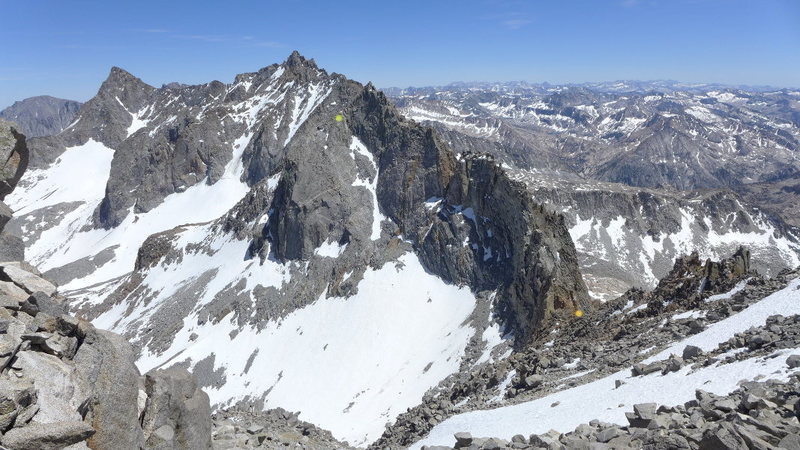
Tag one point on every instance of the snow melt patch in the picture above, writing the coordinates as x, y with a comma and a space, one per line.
601, 399
330, 249
785, 302
137, 123
726, 295
349, 365
304, 106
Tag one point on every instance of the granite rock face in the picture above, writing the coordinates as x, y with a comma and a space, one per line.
177, 413
63, 382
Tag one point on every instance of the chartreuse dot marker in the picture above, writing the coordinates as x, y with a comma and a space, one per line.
339, 118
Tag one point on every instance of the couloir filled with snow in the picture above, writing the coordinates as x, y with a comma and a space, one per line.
601, 399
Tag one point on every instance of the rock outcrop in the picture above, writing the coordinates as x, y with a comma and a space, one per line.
273, 429
13, 162
177, 413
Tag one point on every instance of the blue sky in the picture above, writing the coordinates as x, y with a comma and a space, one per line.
66, 48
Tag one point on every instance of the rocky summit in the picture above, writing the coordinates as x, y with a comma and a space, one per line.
295, 260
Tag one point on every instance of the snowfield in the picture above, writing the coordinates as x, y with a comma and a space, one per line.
601, 400
349, 365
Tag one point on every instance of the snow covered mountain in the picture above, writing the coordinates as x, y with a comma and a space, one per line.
677, 139
288, 233
641, 174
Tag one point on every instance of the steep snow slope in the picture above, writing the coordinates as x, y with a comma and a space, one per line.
69, 241
601, 399
348, 365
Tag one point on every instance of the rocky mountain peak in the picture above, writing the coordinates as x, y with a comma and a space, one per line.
119, 78
298, 60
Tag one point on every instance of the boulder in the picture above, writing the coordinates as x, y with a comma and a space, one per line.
5, 214
177, 414
793, 361
722, 436
11, 294
46, 436
106, 361
41, 302
691, 352
26, 280
59, 389
463, 439
11, 247
674, 364
533, 381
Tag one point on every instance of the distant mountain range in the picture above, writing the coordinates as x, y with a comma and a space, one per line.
42, 115
642, 172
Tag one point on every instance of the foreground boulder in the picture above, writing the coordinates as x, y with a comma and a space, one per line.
177, 413
13, 157
63, 382
105, 361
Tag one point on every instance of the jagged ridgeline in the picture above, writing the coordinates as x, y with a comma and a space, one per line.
293, 240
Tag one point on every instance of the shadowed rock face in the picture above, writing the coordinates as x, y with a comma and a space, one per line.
13, 157
13, 163
42, 115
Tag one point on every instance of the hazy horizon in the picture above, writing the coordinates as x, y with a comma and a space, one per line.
67, 50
